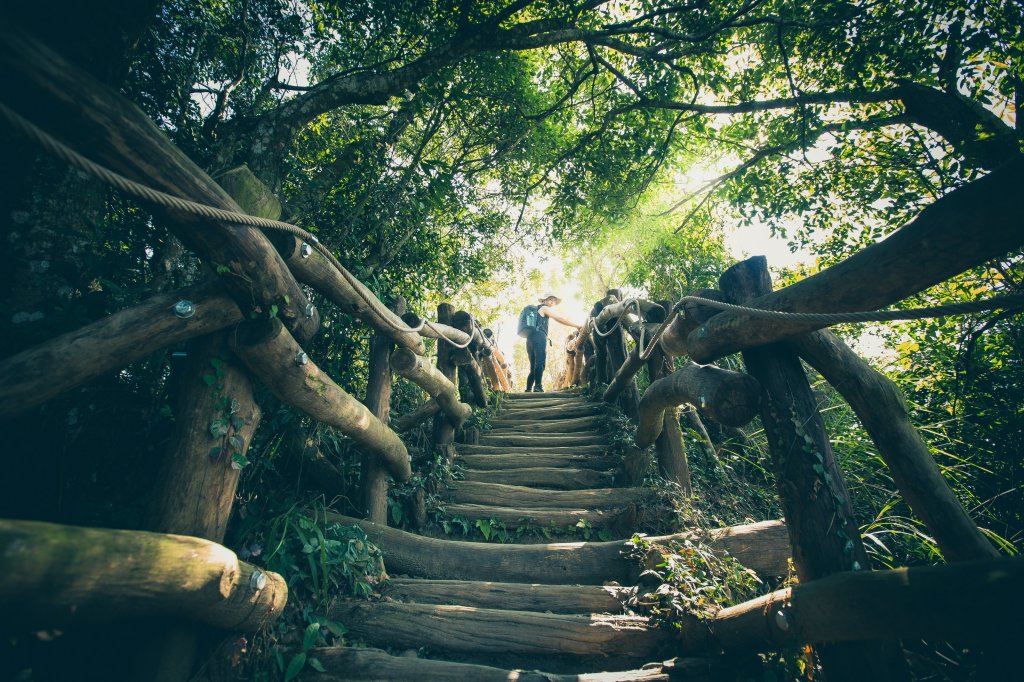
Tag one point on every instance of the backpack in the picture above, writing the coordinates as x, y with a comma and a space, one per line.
528, 319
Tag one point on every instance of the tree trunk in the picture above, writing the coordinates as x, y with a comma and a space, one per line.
815, 500
66, 575
629, 399
928, 250
378, 401
270, 352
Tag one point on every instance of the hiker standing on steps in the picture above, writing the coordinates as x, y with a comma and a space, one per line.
533, 324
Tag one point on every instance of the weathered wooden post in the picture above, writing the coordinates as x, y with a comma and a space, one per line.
378, 401
444, 430
669, 447
815, 500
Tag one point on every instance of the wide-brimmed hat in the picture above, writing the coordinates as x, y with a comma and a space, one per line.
544, 298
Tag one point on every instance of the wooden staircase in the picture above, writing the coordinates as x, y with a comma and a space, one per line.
498, 609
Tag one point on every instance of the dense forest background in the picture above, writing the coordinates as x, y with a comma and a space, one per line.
438, 146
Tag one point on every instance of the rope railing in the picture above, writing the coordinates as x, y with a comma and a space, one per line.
149, 194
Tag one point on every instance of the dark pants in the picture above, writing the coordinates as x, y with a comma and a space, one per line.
536, 350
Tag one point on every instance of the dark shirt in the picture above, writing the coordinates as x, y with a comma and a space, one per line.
542, 324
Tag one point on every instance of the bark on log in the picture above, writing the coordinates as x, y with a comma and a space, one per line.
444, 430
270, 353
628, 395
103, 125
545, 477
542, 440
346, 664
475, 381
481, 492
65, 575
195, 491
974, 602
492, 631
673, 341
511, 596
38, 374
928, 250
763, 547
556, 410
353, 298
883, 412
408, 422
476, 449
413, 368
514, 460
583, 425
728, 397
378, 401
547, 518
669, 445
815, 500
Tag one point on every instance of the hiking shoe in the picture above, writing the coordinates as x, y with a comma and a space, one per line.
539, 389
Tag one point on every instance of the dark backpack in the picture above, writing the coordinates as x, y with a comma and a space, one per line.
528, 319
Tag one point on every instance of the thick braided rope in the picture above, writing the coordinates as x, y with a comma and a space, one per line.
140, 191
1009, 302
626, 305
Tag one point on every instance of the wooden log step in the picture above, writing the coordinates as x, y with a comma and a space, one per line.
519, 460
545, 395
476, 449
343, 664
477, 492
550, 411
544, 440
475, 631
577, 425
762, 547
513, 596
539, 516
545, 477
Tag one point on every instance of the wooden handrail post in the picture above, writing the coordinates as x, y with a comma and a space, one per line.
815, 500
669, 446
444, 430
378, 401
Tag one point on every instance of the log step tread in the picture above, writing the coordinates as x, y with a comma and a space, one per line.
542, 440
513, 596
541, 516
364, 664
519, 460
545, 477
464, 629
477, 449
479, 492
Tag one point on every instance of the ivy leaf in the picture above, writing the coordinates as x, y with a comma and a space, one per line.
219, 428
237, 422
316, 665
209, 379
239, 461
235, 405
236, 441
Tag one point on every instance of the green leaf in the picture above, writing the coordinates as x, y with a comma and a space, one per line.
485, 527
219, 428
295, 666
273, 311
316, 665
209, 379
309, 638
236, 441
237, 422
239, 461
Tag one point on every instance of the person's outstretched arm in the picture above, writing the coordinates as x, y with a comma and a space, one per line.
548, 312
